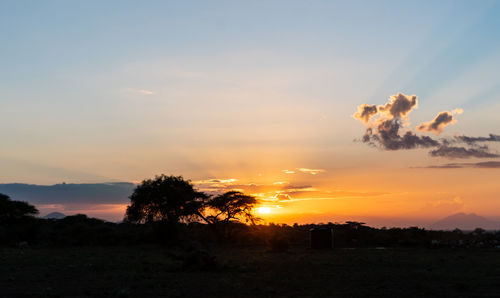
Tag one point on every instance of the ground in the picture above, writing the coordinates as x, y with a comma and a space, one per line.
152, 271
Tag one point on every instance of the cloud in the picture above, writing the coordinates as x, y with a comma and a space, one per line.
488, 164
141, 91
282, 197
96, 193
281, 183
387, 135
216, 181
215, 186
439, 122
399, 105
305, 171
272, 192
472, 140
311, 171
298, 188
384, 127
387, 129
147, 92
365, 112
461, 152
485, 165
446, 166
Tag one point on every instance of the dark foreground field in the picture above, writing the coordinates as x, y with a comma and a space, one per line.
155, 271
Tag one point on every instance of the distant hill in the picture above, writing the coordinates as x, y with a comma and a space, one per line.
55, 215
465, 221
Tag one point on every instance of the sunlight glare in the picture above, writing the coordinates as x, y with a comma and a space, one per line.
264, 210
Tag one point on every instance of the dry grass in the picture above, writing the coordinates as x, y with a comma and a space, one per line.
151, 271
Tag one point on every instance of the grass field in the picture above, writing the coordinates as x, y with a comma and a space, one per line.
151, 271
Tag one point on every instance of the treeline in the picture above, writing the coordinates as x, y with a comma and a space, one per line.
79, 230
168, 210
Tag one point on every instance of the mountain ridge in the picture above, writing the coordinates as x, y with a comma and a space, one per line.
465, 221
54, 215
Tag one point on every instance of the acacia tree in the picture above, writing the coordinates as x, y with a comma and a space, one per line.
15, 209
232, 206
165, 198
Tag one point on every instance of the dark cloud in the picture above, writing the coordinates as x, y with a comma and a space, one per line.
296, 187
399, 105
386, 128
472, 140
486, 164
387, 136
99, 193
461, 152
439, 122
385, 132
365, 112
447, 166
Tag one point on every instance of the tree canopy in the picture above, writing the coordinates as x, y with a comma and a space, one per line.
232, 206
165, 198
15, 209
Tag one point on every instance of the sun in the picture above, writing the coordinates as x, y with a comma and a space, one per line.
264, 210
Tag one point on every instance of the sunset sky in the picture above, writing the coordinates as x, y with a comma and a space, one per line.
258, 96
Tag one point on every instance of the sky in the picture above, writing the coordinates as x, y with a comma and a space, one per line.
259, 96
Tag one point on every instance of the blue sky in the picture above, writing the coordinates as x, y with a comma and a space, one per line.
72, 72
97, 91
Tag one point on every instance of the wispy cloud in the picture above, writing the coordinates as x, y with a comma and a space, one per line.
274, 192
305, 171
280, 183
311, 171
217, 185
140, 91
473, 140
484, 165
282, 197
461, 152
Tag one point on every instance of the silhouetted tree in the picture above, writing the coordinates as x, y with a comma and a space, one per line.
232, 206
17, 221
354, 224
15, 209
478, 231
165, 198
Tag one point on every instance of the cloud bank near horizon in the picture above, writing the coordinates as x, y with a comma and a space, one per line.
387, 129
101, 200
109, 200
482, 165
